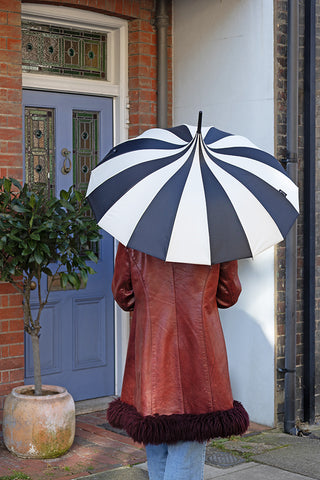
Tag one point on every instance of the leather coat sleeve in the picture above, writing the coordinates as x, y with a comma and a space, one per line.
121, 283
229, 287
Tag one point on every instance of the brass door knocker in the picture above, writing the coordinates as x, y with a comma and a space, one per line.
66, 168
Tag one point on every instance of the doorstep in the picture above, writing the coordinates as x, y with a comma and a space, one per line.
93, 404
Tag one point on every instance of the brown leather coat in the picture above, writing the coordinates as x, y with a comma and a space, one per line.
176, 384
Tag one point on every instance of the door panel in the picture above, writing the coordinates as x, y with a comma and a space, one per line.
89, 348
77, 334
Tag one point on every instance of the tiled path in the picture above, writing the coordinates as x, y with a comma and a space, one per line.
95, 449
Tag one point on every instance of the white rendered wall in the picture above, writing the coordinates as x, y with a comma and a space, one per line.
223, 65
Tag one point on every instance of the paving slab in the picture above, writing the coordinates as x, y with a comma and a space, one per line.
294, 454
211, 472
125, 473
248, 471
256, 472
302, 456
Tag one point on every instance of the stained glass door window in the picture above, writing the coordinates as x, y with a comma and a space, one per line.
85, 127
85, 145
40, 146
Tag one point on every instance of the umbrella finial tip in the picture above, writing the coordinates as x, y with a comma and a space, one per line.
199, 122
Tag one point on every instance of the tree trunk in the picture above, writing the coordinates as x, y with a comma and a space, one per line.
36, 363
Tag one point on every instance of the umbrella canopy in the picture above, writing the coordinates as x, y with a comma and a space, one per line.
193, 195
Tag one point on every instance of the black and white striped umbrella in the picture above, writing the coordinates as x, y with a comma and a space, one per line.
193, 195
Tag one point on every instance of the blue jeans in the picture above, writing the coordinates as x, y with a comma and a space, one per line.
178, 461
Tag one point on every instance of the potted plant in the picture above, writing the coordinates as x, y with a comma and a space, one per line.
42, 235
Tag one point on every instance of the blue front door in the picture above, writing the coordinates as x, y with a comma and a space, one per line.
65, 136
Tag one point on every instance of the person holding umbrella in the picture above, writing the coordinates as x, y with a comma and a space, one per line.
176, 392
185, 203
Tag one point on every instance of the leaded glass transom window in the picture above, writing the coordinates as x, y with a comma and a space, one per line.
39, 146
64, 51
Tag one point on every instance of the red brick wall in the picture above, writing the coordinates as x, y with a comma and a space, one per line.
281, 19
143, 69
142, 115
281, 40
11, 316
142, 62
10, 89
11, 340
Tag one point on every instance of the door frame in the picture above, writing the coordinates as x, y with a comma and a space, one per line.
115, 86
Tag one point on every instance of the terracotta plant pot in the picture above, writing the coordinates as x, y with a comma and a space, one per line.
39, 426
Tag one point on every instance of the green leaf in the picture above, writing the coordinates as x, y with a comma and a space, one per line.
32, 201
7, 185
38, 257
47, 271
12, 270
12, 236
16, 183
26, 251
19, 208
84, 276
74, 280
35, 236
63, 279
64, 195
32, 244
31, 221
78, 196
91, 256
46, 248
83, 238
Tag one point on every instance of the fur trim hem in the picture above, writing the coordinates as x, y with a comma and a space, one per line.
156, 429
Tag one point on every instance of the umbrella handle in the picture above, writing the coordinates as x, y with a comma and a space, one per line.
199, 122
